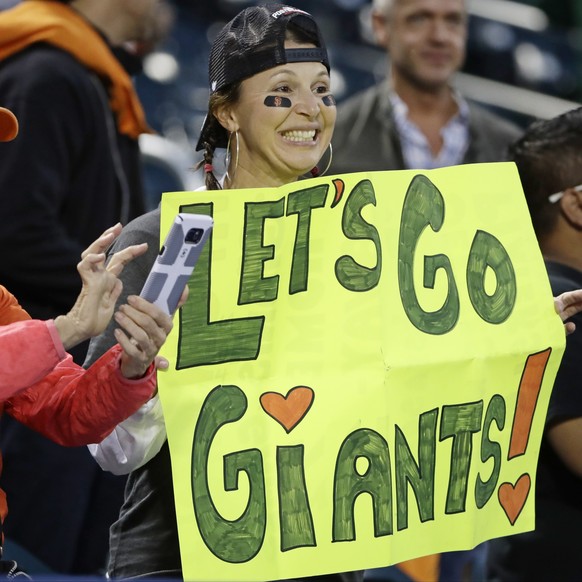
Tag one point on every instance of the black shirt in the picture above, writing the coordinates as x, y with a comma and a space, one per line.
552, 551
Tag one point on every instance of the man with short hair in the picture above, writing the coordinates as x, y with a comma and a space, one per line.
73, 171
416, 118
549, 160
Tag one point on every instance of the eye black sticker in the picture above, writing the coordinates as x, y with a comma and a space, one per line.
329, 100
277, 101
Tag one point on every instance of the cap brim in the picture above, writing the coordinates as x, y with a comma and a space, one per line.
8, 125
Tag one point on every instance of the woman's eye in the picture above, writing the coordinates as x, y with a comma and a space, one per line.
283, 89
322, 89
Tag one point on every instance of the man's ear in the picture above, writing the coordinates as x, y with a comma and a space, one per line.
227, 118
571, 206
380, 28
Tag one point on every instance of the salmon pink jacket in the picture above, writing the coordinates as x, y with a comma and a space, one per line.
41, 386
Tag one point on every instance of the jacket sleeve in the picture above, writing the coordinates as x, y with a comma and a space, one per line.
10, 309
29, 350
75, 407
134, 442
140, 437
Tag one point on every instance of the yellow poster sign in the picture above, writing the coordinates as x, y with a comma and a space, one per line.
361, 373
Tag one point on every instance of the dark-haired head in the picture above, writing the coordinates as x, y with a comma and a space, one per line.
549, 160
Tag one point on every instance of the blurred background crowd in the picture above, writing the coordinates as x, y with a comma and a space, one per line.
524, 61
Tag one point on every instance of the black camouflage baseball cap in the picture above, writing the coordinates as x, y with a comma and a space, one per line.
254, 41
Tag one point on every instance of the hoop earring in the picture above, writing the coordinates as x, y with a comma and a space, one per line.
315, 171
227, 177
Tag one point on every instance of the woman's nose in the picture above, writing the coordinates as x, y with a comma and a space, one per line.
307, 104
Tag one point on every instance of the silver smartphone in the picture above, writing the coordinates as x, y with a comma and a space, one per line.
176, 260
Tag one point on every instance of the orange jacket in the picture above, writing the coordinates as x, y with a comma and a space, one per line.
61, 26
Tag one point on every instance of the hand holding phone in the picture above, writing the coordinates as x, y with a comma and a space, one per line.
176, 261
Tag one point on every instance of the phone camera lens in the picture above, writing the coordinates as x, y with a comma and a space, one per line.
194, 235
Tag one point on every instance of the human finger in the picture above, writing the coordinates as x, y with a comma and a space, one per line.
129, 344
569, 303
184, 296
151, 311
92, 263
91, 259
102, 243
115, 293
138, 359
140, 347
161, 363
138, 336
121, 258
147, 325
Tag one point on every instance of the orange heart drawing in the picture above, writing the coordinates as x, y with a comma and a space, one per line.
512, 497
288, 410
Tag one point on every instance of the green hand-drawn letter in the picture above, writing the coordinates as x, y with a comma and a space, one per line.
370, 447
421, 475
302, 203
487, 251
239, 540
294, 511
351, 275
459, 422
424, 206
254, 287
203, 342
490, 450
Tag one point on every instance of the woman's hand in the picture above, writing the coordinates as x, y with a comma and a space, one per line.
568, 304
101, 288
144, 328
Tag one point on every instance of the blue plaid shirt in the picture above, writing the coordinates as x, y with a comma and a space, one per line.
415, 147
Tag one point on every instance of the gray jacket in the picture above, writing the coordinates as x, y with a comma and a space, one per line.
366, 138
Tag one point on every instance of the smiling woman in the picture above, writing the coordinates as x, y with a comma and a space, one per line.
271, 107
281, 122
270, 99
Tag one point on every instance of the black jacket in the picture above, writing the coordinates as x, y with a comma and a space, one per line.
60, 182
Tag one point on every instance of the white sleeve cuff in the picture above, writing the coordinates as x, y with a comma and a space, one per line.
133, 442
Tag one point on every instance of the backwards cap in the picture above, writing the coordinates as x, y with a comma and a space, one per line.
8, 125
254, 41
